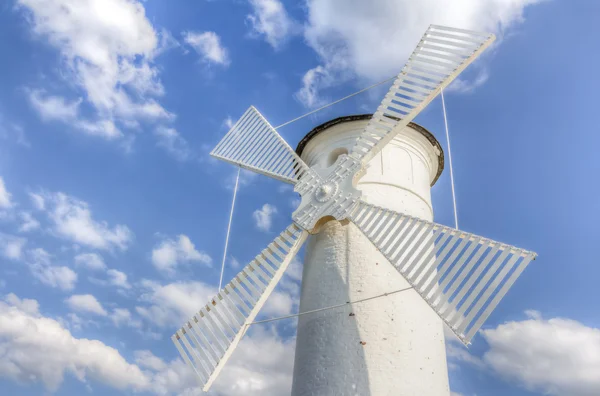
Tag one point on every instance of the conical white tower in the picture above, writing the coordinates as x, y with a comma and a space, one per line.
392, 345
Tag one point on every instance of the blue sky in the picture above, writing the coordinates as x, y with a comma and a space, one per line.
113, 215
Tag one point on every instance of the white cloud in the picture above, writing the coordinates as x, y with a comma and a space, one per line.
313, 81
249, 372
37, 349
271, 21
54, 107
122, 316
263, 218
55, 276
28, 306
73, 220
172, 141
37, 201
11, 246
39, 263
118, 279
57, 108
278, 304
228, 123
92, 261
170, 253
234, 263
13, 132
463, 86
5, 196
208, 46
29, 223
173, 303
555, 356
372, 40
85, 303
108, 47
246, 179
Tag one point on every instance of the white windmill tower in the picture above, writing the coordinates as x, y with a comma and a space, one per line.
383, 241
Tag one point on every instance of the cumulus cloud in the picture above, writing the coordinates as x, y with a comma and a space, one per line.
37, 349
270, 20
173, 143
41, 268
263, 218
11, 246
26, 305
372, 40
92, 261
109, 58
555, 356
118, 279
208, 46
165, 305
85, 303
170, 253
5, 196
28, 222
72, 219
249, 372
122, 317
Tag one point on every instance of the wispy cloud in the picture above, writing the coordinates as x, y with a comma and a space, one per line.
173, 143
110, 59
5, 196
271, 21
263, 217
208, 46
171, 253
72, 219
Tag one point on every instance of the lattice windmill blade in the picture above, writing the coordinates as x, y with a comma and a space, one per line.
461, 276
209, 338
254, 144
441, 55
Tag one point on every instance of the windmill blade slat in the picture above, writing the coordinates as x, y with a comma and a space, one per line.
460, 275
209, 338
441, 52
254, 144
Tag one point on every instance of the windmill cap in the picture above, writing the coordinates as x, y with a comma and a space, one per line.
360, 117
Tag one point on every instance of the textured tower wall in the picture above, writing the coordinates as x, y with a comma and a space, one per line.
388, 346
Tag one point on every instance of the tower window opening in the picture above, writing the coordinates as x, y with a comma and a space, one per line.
333, 156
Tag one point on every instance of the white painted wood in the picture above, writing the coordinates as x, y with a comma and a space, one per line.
440, 286
254, 144
404, 351
222, 323
378, 132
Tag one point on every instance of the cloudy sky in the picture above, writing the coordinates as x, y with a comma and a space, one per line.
113, 215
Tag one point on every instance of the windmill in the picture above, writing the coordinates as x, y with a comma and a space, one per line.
461, 276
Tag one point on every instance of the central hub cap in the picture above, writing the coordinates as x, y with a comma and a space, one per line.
326, 191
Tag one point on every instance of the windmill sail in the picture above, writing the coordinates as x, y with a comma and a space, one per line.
441, 55
461, 276
209, 338
254, 144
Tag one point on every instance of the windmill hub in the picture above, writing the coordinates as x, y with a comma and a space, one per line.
326, 191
